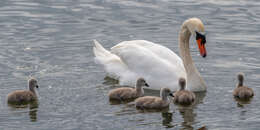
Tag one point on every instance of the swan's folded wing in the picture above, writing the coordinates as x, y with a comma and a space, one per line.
141, 53
151, 61
159, 50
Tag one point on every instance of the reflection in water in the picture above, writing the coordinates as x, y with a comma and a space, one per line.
110, 81
203, 128
199, 97
241, 103
187, 111
188, 117
117, 102
153, 110
167, 119
128, 109
33, 108
33, 111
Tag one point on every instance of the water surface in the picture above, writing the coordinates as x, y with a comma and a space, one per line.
52, 41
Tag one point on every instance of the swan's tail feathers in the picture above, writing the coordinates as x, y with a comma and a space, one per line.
102, 56
99, 50
111, 62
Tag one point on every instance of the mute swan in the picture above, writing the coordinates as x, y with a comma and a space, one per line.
126, 93
159, 65
183, 97
152, 102
242, 92
24, 96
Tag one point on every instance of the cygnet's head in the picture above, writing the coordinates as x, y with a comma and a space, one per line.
240, 77
182, 83
166, 92
141, 82
32, 83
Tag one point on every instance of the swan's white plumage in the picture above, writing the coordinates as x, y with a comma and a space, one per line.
158, 65
128, 60
111, 62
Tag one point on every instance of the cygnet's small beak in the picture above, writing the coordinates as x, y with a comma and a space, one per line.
171, 94
147, 85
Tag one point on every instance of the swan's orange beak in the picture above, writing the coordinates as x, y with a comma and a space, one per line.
202, 47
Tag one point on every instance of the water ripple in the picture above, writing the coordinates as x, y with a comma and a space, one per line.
53, 40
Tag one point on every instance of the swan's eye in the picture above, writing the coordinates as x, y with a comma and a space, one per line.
201, 36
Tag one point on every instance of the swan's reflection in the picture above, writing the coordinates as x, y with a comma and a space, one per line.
33, 108
187, 113
110, 81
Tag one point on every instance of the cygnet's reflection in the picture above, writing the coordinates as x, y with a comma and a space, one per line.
33, 108
167, 119
187, 113
242, 103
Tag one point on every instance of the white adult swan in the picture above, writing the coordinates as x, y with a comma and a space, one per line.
160, 66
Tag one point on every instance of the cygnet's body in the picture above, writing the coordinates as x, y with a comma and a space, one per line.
183, 97
241, 91
24, 96
152, 102
126, 93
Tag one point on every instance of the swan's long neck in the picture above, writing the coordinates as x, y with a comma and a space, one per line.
194, 80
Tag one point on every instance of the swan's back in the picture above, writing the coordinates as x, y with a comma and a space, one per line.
161, 51
21, 96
